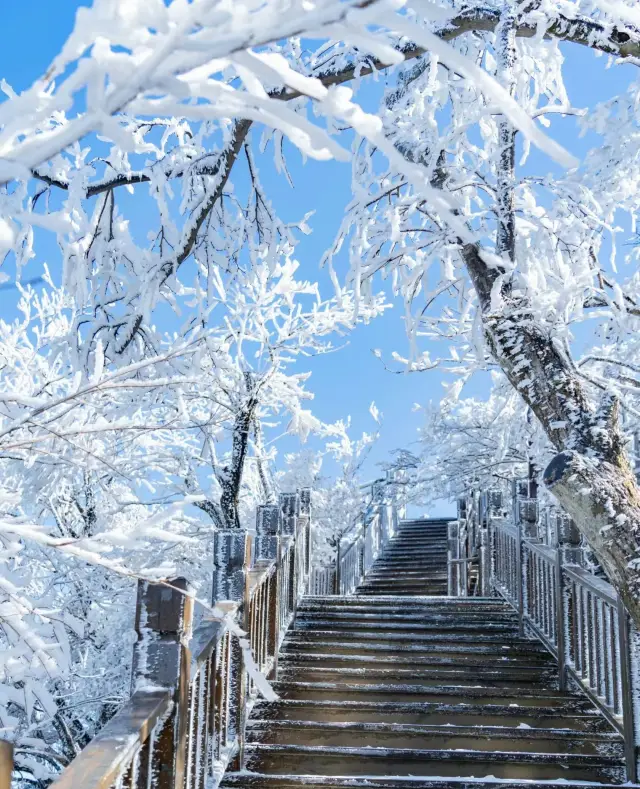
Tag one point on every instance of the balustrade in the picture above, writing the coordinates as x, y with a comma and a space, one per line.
192, 689
534, 560
380, 509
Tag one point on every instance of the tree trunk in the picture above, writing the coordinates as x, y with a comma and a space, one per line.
590, 476
230, 478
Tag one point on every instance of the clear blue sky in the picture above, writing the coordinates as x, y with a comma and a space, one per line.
346, 382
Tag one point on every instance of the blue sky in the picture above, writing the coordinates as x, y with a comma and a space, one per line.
345, 382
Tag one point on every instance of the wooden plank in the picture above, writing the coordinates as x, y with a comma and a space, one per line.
6, 764
110, 753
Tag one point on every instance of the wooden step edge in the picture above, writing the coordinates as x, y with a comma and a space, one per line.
450, 730
440, 754
287, 780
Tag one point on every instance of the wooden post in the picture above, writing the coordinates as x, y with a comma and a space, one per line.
164, 616
6, 764
267, 531
231, 561
569, 540
453, 546
268, 547
484, 560
289, 512
305, 518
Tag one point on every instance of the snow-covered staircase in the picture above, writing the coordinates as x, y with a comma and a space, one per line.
413, 563
391, 689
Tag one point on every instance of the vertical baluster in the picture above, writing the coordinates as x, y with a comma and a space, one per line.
601, 648
143, 763
561, 620
575, 627
519, 577
191, 725
581, 633
591, 645
606, 633
615, 664
208, 734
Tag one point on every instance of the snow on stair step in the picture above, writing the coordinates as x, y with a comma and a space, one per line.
400, 686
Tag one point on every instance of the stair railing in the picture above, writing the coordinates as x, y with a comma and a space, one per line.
381, 507
468, 552
537, 566
193, 688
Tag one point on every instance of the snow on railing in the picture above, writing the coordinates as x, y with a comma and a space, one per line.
193, 689
536, 562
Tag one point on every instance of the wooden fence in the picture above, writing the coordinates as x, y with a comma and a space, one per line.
191, 691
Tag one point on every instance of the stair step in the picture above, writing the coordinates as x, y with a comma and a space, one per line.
440, 694
368, 674
403, 735
343, 760
283, 781
459, 663
449, 604
566, 716
472, 633
442, 647
432, 668
400, 616
463, 630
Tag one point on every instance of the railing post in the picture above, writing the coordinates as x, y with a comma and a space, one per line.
268, 548
362, 554
518, 580
560, 622
6, 764
231, 560
628, 723
484, 562
305, 518
338, 559
267, 531
164, 616
289, 513
453, 549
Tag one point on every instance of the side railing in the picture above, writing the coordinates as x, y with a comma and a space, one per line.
356, 551
193, 688
537, 566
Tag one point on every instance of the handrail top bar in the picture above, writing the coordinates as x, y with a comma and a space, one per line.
504, 526
350, 547
366, 485
206, 636
100, 764
259, 573
542, 550
597, 585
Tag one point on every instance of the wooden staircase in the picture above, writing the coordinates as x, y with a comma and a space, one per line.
414, 563
399, 685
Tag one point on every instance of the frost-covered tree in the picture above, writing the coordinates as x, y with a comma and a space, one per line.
110, 428
503, 263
